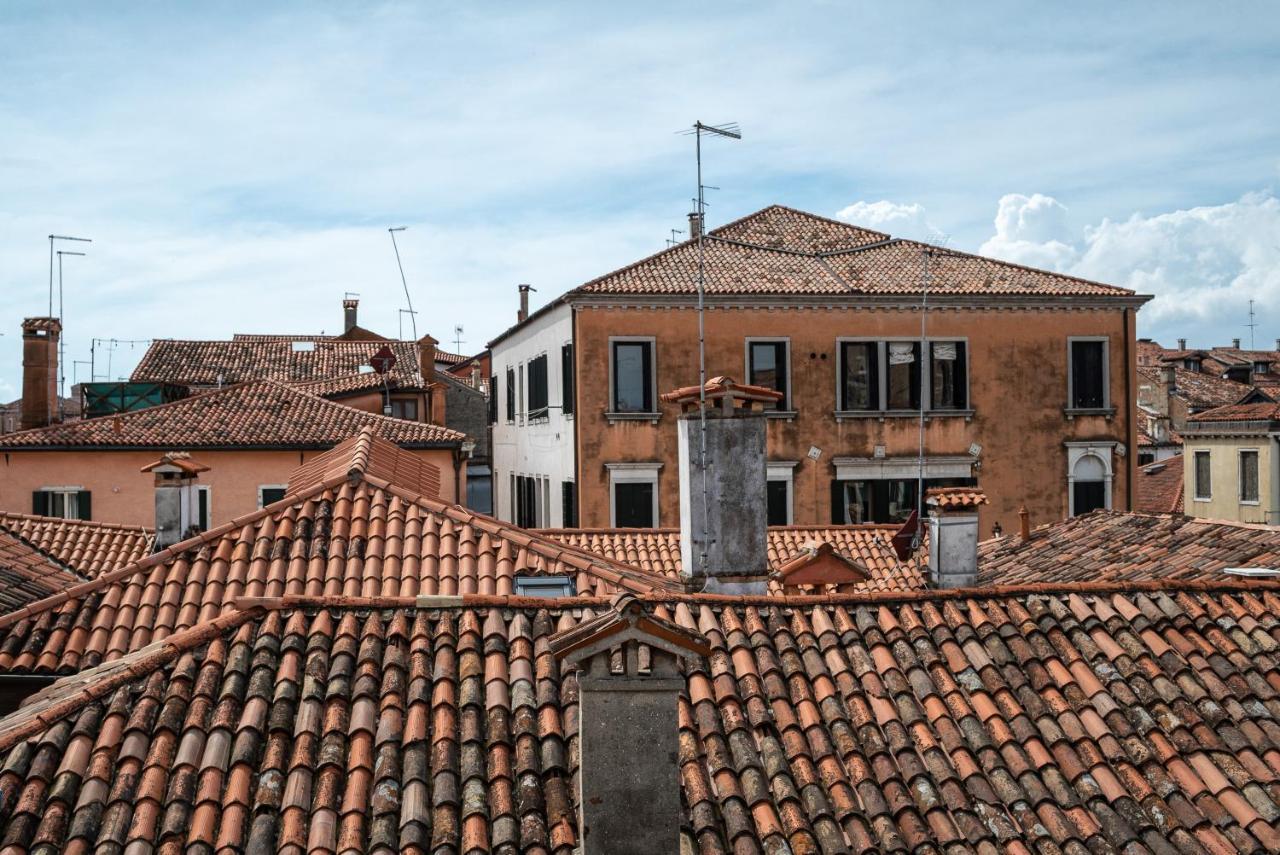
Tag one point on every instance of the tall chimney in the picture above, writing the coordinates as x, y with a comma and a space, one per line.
695, 225
177, 501
1182, 344
723, 532
1278, 344
1235, 343
523, 314
1169, 374
427, 359
953, 535
1024, 523
628, 725
349, 307
39, 371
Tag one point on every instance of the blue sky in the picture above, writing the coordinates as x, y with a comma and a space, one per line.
237, 164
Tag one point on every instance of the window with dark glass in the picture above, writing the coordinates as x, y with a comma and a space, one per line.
1088, 375
404, 408
767, 366
67, 504
270, 495
538, 386
888, 500
493, 399
566, 379
568, 505
948, 377
860, 380
903, 375
633, 504
526, 501
202, 508
1202, 475
776, 494
480, 488
633, 377
1088, 496
1248, 476
511, 395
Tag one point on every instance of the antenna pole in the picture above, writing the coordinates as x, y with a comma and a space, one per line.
413, 321
1252, 325
917, 538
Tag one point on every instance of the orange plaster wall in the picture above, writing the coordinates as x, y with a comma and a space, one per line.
123, 494
1017, 382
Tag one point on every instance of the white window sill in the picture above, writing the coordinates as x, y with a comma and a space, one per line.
1202, 498
785, 415
1251, 502
652, 418
881, 415
1072, 412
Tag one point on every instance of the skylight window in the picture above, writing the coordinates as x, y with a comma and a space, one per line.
304, 346
544, 586
365, 369
1253, 572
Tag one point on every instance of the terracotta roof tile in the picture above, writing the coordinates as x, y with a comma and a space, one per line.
1260, 412
27, 573
90, 548
1160, 486
350, 728
1200, 390
263, 413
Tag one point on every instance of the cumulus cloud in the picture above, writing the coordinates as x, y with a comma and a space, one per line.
1203, 265
908, 221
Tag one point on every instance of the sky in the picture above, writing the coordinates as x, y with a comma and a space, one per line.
237, 165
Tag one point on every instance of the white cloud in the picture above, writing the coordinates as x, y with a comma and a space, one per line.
1031, 230
907, 221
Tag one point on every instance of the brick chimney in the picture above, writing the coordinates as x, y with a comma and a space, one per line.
953, 535
1169, 374
628, 726
349, 307
523, 314
177, 500
723, 546
1024, 523
427, 359
40, 371
695, 225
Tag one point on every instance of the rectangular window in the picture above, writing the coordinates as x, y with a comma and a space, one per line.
948, 377
511, 395
903, 384
568, 505
860, 383
270, 493
1203, 481
479, 488
404, 408
202, 508
520, 410
1248, 476
1088, 496
493, 399
633, 504
778, 497
526, 501
1088, 374
69, 503
566, 379
538, 386
767, 366
633, 377
888, 500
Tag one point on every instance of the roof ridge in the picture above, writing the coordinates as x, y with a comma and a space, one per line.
136, 529
778, 206
1014, 264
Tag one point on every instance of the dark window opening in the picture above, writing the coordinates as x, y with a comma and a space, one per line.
903, 388
544, 586
271, 495
633, 377
526, 501
889, 500
65, 504
538, 386
1145, 457
511, 395
860, 385
405, 408
1088, 496
202, 508
948, 381
1248, 476
493, 399
767, 366
568, 504
480, 488
1088, 375
633, 504
566, 379
1203, 476
776, 493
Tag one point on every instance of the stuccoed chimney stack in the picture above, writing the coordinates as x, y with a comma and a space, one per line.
953, 535
724, 534
349, 307
177, 498
695, 226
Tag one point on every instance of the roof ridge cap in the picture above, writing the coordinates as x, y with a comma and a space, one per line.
949, 251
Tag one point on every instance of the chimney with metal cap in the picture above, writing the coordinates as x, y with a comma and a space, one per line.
349, 307
177, 498
953, 535
523, 314
695, 225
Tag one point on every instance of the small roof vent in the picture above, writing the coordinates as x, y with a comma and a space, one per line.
365, 369
304, 346
1253, 572
544, 586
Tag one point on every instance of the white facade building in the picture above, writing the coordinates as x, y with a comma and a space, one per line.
533, 436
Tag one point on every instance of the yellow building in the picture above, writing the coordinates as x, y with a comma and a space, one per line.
1232, 464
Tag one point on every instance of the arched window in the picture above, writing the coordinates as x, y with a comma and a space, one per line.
1089, 477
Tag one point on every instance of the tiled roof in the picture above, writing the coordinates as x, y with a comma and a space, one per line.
361, 381
657, 550
27, 574
1111, 545
783, 251
1201, 390
1086, 721
345, 535
91, 548
1160, 486
955, 497
364, 455
213, 363
1268, 411
261, 414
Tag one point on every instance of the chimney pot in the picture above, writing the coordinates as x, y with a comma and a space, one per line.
695, 225
427, 359
1024, 523
523, 314
177, 502
1235, 343
1182, 344
349, 307
1278, 344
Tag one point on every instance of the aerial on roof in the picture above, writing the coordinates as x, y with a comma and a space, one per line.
1159, 487
263, 414
28, 573
779, 250
1069, 721
90, 548
1112, 545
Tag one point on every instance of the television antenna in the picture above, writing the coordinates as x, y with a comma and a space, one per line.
52, 238
457, 339
408, 300
1252, 325
733, 132
673, 240
62, 338
401, 314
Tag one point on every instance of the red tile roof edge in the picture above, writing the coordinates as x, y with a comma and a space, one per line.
43, 553
136, 529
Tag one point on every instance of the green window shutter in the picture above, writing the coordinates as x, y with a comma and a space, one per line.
82, 504
40, 503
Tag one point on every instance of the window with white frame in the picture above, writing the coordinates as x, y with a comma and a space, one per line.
779, 492
1087, 372
1089, 476
769, 365
204, 508
1202, 476
1249, 476
887, 375
633, 494
270, 493
71, 503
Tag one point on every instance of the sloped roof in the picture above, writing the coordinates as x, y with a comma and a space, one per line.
247, 358
345, 532
1113, 545
1201, 390
1260, 412
780, 250
657, 550
27, 573
363, 455
263, 414
90, 548
1130, 721
1159, 487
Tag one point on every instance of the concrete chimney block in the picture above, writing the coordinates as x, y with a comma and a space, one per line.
1235, 343
1182, 344
349, 307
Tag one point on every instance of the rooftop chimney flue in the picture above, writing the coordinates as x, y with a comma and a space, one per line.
177, 497
1235, 344
523, 314
349, 307
723, 507
1182, 344
953, 535
695, 225
40, 371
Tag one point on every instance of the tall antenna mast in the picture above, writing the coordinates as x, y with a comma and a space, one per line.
413, 320
732, 132
62, 337
1251, 325
457, 339
52, 238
